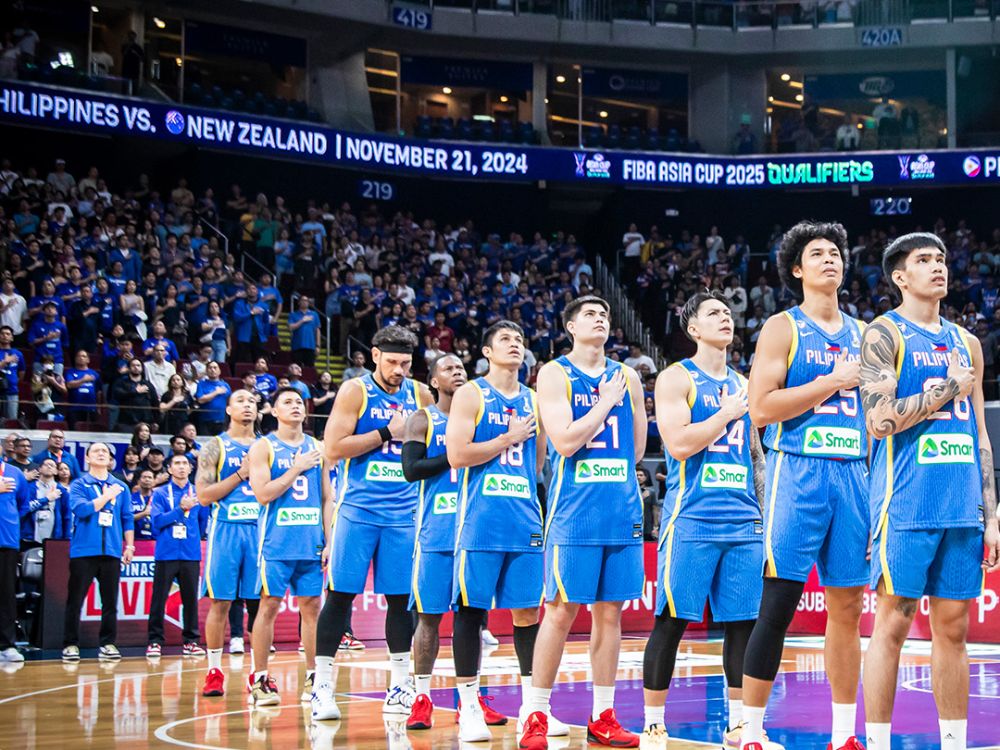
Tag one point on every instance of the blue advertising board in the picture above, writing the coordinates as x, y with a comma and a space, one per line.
101, 114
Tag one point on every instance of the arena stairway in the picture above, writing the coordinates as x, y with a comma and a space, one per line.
335, 363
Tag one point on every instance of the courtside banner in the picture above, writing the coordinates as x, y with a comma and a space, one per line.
984, 615
102, 114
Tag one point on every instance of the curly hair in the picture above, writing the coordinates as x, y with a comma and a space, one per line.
794, 243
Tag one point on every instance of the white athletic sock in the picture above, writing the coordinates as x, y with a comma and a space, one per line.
735, 712
753, 725
215, 658
844, 718
654, 715
258, 675
324, 670
423, 684
526, 690
540, 700
878, 736
468, 692
604, 698
399, 668
953, 733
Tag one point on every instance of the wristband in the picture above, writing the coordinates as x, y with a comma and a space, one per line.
130, 546
385, 434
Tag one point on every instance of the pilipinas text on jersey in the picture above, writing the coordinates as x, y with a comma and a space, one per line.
437, 508
714, 486
373, 489
240, 505
928, 476
291, 525
595, 497
836, 428
498, 505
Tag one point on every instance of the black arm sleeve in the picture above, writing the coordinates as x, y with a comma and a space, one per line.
417, 466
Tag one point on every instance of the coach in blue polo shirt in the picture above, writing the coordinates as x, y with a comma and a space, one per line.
178, 523
102, 540
14, 496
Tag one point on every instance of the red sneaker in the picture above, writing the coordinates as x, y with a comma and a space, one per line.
853, 743
215, 682
420, 713
493, 718
607, 731
536, 727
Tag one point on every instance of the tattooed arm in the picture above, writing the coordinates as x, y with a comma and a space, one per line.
885, 414
759, 467
991, 537
207, 484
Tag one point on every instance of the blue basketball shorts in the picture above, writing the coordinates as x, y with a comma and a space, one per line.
498, 580
586, 574
945, 563
816, 512
301, 577
430, 588
356, 546
231, 561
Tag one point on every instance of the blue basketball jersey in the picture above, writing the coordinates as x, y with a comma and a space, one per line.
291, 525
499, 507
714, 486
373, 489
240, 505
835, 428
438, 504
928, 477
595, 498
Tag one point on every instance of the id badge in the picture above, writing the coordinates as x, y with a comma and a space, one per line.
180, 531
104, 518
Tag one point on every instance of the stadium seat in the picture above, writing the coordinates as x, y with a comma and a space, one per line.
51, 424
91, 426
242, 368
614, 137
633, 137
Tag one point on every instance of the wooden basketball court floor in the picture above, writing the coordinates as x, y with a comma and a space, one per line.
137, 704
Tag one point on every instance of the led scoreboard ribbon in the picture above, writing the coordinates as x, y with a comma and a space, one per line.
87, 112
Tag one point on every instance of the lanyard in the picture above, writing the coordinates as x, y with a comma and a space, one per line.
170, 495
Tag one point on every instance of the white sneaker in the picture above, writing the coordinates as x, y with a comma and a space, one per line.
324, 704
654, 738
489, 639
71, 653
11, 654
236, 645
556, 727
472, 725
307, 687
399, 699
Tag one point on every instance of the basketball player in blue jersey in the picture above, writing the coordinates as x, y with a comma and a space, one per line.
373, 517
712, 546
493, 436
593, 536
231, 556
288, 476
803, 388
933, 493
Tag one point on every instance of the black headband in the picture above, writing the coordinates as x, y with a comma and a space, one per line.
392, 348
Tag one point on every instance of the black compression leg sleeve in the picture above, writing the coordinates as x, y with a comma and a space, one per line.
734, 647
398, 624
661, 652
465, 642
524, 646
332, 624
777, 608
252, 606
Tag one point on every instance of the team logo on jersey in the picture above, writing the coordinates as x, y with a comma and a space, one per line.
242, 512
505, 485
298, 517
385, 471
945, 448
445, 503
724, 476
832, 441
595, 470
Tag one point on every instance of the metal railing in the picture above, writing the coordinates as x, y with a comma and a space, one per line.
217, 232
624, 315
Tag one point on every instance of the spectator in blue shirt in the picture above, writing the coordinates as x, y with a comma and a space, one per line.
12, 369
46, 515
14, 496
131, 262
211, 395
142, 506
36, 305
271, 296
55, 448
48, 335
83, 384
178, 524
252, 324
264, 382
295, 381
304, 324
101, 541
160, 337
